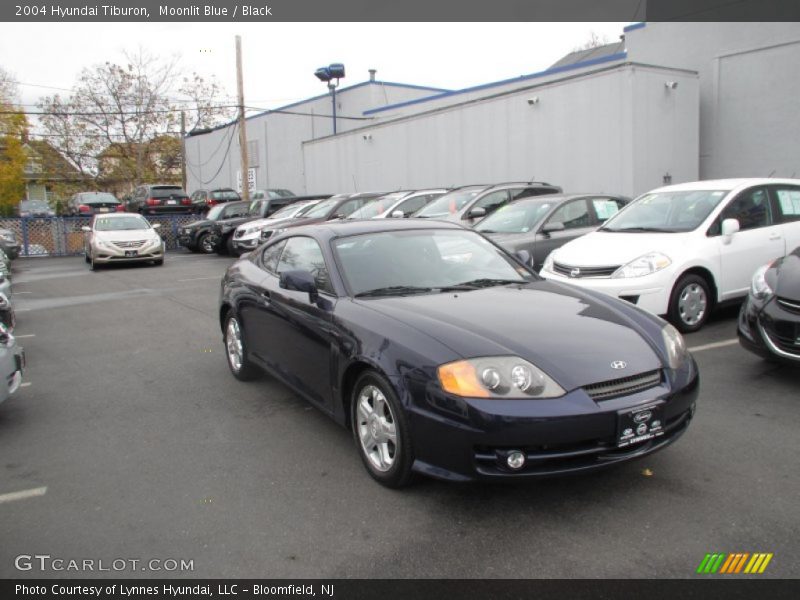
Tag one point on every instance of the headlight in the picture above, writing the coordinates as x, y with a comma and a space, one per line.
644, 265
759, 288
252, 230
281, 230
548, 263
497, 377
9, 237
102, 243
676, 346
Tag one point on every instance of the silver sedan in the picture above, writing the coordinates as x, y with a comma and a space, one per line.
122, 237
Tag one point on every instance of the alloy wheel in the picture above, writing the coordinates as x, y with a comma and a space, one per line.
377, 433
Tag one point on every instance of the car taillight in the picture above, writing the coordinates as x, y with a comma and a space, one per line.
120, 208
186, 201
211, 202
84, 208
152, 202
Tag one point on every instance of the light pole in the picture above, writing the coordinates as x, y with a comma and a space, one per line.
327, 75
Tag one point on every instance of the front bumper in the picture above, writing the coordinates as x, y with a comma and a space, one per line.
769, 330
246, 244
469, 439
12, 251
650, 292
105, 255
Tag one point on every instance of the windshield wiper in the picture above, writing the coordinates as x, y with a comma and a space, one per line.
479, 283
638, 230
394, 290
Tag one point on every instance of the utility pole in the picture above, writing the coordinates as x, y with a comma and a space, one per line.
245, 169
183, 150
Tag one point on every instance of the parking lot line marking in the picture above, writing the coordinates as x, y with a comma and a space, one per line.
27, 335
200, 278
25, 384
23, 495
17, 293
721, 344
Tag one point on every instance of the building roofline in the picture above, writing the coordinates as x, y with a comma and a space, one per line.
619, 56
320, 96
633, 27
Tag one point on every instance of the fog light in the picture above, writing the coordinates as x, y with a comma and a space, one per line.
515, 460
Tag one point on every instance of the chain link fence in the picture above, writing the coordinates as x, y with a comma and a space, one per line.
62, 236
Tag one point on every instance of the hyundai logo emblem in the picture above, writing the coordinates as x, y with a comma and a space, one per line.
619, 364
642, 416
575, 272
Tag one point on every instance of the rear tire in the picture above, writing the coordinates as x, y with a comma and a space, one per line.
380, 430
236, 351
690, 304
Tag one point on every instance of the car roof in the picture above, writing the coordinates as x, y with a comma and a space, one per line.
333, 229
723, 184
119, 215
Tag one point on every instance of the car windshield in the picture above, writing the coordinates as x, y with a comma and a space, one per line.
121, 223
280, 194
224, 195
424, 261
321, 209
518, 217
666, 212
292, 210
449, 203
378, 206
215, 212
165, 191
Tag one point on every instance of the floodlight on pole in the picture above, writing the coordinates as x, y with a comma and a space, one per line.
334, 71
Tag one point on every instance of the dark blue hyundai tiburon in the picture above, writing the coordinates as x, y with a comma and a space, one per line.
447, 356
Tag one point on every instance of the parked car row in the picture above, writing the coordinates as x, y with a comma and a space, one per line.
12, 355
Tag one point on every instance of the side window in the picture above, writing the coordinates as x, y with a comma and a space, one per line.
788, 200
412, 205
605, 208
347, 208
492, 201
304, 253
270, 255
750, 208
524, 193
573, 215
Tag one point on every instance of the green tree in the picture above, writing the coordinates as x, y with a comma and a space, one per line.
13, 129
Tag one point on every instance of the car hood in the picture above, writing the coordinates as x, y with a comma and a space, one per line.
234, 222
788, 284
268, 222
507, 239
199, 224
602, 248
571, 335
126, 235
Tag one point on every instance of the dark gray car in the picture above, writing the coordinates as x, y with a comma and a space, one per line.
469, 204
541, 224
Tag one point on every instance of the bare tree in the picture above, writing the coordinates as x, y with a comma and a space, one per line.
594, 41
208, 105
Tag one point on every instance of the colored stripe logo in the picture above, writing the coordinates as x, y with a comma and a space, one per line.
735, 563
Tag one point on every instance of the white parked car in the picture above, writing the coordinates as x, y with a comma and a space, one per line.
397, 205
248, 235
122, 237
680, 250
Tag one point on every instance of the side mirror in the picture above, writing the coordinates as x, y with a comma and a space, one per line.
729, 227
300, 281
524, 257
398, 214
476, 213
552, 226
156, 225
86, 229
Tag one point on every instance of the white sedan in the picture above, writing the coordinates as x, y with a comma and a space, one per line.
680, 250
122, 237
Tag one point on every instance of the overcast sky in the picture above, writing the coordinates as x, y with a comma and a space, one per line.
280, 58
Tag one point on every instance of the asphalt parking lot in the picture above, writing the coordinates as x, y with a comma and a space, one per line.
131, 440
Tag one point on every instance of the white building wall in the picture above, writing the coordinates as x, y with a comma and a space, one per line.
213, 162
748, 90
585, 134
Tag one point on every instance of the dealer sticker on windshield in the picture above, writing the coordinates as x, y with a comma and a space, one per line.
639, 424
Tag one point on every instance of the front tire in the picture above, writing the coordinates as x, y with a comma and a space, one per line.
240, 365
381, 431
205, 244
690, 304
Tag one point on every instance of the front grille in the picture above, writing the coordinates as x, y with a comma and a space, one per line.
623, 386
133, 244
788, 343
791, 306
581, 272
